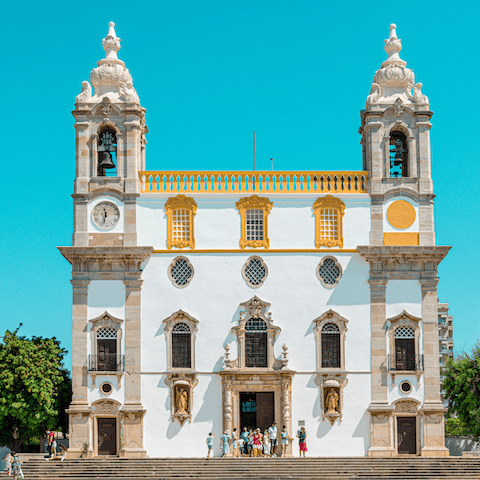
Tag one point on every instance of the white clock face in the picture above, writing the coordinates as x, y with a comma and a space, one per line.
105, 215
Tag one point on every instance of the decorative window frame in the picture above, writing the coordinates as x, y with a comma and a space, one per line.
256, 308
172, 204
254, 257
169, 271
328, 202
105, 320
179, 382
329, 257
260, 203
405, 319
180, 317
341, 323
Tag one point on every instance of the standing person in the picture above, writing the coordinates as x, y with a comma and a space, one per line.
234, 443
302, 441
266, 444
241, 446
250, 443
225, 442
244, 437
272, 431
284, 440
50, 440
257, 442
54, 447
209, 441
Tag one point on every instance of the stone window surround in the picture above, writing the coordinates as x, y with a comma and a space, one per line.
247, 203
94, 144
187, 381
169, 271
326, 285
341, 322
180, 317
255, 308
402, 127
105, 320
328, 202
172, 204
404, 319
326, 381
254, 257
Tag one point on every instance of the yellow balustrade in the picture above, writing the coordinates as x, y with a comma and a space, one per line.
253, 182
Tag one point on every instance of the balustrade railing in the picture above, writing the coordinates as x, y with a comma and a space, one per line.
253, 182
109, 362
405, 361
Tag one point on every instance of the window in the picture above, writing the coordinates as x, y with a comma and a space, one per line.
106, 350
180, 211
404, 348
180, 330
256, 343
107, 152
180, 272
329, 272
181, 346
398, 154
254, 213
255, 271
330, 330
328, 219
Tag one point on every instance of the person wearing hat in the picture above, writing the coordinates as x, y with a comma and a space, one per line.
225, 443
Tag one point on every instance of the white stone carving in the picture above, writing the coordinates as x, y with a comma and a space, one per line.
86, 94
394, 80
110, 78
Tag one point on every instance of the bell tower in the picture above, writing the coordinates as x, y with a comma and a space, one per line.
110, 146
395, 129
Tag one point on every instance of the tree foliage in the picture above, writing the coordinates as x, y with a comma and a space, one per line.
34, 387
461, 387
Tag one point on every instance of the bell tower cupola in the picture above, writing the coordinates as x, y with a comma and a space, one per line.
110, 140
395, 130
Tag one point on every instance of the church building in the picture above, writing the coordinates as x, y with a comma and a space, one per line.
206, 301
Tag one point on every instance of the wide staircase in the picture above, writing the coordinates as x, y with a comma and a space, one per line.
410, 468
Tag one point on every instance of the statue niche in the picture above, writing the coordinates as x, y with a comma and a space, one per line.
181, 395
331, 395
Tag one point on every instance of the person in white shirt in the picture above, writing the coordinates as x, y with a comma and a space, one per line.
272, 431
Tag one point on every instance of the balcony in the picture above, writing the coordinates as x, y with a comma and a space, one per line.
404, 364
268, 182
106, 364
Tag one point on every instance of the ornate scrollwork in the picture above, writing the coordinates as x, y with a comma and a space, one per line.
176, 203
254, 202
328, 202
181, 395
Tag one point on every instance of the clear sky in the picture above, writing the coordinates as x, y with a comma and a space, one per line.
210, 73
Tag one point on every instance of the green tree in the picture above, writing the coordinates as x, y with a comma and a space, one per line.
461, 387
32, 387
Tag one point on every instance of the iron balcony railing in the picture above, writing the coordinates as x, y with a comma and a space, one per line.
405, 362
110, 362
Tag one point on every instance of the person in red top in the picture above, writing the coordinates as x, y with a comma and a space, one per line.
257, 443
50, 440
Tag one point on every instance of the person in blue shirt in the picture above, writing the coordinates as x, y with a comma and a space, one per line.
272, 431
210, 438
225, 443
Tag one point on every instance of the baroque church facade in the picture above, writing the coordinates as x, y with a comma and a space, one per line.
207, 301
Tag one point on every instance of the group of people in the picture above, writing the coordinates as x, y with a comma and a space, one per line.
254, 443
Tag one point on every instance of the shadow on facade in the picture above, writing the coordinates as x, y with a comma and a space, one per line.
353, 288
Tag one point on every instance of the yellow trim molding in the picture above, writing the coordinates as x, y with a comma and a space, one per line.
401, 214
401, 238
321, 204
273, 250
259, 203
176, 203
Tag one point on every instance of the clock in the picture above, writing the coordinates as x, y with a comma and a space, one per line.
105, 215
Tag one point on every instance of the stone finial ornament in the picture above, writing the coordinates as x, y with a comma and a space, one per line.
110, 78
394, 81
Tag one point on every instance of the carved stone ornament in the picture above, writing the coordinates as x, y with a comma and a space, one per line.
406, 406
331, 395
181, 395
227, 363
106, 407
106, 106
394, 80
86, 94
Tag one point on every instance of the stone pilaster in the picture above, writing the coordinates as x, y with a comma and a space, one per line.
427, 222
376, 218
82, 154
80, 222
130, 212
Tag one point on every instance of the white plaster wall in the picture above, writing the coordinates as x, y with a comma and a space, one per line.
417, 392
218, 222
351, 436
118, 228
403, 295
415, 227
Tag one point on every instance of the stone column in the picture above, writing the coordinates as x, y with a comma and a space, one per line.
227, 406
80, 222
79, 410
82, 155
426, 222
132, 156
376, 218
130, 235
286, 414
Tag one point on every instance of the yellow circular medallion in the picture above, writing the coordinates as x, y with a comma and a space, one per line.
401, 214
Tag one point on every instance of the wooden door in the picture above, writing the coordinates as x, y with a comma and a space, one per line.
407, 435
405, 353
107, 436
265, 409
106, 355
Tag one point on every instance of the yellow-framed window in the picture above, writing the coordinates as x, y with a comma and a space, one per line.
254, 213
329, 222
180, 212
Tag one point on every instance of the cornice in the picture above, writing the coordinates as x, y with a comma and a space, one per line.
404, 254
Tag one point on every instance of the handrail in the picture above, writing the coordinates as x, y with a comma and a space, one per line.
108, 362
271, 182
405, 362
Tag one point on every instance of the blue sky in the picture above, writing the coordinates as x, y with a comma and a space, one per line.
210, 73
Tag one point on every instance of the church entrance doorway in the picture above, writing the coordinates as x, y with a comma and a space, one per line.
107, 436
257, 409
407, 435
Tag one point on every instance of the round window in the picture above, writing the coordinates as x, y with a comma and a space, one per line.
180, 272
106, 388
255, 271
329, 272
406, 387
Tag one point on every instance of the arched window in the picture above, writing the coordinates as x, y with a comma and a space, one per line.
329, 222
106, 349
405, 348
107, 152
254, 212
181, 346
180, 212
398, 155
330, 346
255, 343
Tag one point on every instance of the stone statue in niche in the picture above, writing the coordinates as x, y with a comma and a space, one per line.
181, 400
331, 402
